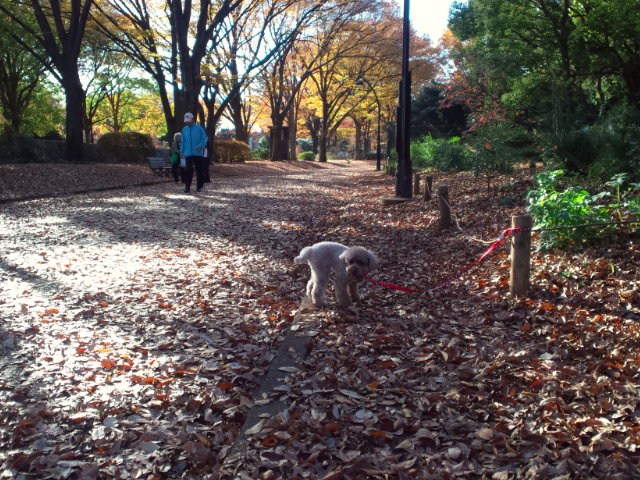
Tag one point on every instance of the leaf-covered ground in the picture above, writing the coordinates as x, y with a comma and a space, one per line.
138, 323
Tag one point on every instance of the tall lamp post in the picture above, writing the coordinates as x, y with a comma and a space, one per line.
360, 81
403, 176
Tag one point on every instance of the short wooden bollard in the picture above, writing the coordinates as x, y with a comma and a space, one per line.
427, 187
416, 184
520, 255
443, 204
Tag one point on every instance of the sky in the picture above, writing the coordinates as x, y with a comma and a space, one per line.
429, 16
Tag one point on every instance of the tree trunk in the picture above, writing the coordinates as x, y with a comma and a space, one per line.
293, 133
313, 125
74, 124
323, 143
324, 134
358, 150
322, 150
235, 106
279, 144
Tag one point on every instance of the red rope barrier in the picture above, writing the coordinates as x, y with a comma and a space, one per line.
503, 236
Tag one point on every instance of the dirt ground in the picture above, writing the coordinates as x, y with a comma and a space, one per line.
138, 322
26, 181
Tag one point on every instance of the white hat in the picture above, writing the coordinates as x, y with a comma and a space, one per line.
188, 117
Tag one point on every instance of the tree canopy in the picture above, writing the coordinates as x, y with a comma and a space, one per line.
566, 75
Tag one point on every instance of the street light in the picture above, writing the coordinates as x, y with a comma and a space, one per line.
360, 81
403, 176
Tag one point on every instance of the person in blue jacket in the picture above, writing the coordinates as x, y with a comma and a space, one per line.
194, 141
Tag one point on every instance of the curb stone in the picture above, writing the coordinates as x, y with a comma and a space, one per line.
297, 343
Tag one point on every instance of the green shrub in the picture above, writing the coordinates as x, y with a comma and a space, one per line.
625, 199
610, 145
450, 156
16, 148
556, 206
309, 156
231, 151
263, 150
53, 135
391, 167
306, 144
422, 152
126, 147
441, 154
579, 149
260, 154
494, 148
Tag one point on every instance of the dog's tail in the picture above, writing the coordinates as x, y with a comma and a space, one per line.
304, 255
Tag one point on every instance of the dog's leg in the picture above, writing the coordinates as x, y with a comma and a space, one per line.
319, 282
353, 291
341, 285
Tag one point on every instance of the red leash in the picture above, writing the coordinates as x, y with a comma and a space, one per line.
503, 236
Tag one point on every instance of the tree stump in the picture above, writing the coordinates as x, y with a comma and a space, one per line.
443, 204
520, 255
427, 187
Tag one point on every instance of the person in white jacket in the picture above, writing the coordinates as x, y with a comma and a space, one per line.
194, 141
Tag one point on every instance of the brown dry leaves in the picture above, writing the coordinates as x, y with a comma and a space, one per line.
137, 325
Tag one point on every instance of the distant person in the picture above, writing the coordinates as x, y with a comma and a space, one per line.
194, 141
175, 156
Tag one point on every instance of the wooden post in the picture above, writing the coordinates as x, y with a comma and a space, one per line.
520, 255
443, 204
427, 187
416, 184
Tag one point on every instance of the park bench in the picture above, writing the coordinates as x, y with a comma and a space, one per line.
159, 165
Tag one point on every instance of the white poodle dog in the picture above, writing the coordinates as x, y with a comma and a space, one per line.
349, 264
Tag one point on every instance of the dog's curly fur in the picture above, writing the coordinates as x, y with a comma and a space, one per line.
349, 264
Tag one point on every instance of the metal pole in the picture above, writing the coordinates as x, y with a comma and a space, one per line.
403, 177
359, 81
378, 152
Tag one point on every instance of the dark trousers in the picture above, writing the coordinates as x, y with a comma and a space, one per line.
197, 164
174, 171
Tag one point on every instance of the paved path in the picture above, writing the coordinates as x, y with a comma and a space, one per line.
104, 291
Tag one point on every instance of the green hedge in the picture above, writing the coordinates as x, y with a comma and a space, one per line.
309, 156
126, 147
230, 151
